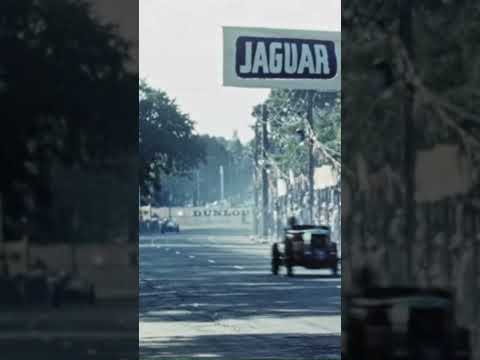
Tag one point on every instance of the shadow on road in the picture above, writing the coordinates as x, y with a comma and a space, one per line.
292, 346
315, 276
237, 296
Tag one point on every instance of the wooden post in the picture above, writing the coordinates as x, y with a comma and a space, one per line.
265, 218
311, 162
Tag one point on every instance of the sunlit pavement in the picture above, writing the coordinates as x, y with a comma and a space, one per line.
210, 294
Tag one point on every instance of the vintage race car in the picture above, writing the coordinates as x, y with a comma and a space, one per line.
307, 246
169, 225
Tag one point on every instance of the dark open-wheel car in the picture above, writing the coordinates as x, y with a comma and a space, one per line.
169, 225
308, 246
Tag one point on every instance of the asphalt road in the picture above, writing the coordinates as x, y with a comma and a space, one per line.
210, 294
105, 331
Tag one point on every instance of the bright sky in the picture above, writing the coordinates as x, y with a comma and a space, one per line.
181, 52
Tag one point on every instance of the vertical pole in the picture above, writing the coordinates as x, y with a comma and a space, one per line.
276, 207
170, 199
311, 165
197, 178
255, 180
265, 222
222, 184
409, 151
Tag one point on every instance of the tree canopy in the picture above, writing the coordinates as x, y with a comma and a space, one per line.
64, 92
236, 160
288, 130
167, 139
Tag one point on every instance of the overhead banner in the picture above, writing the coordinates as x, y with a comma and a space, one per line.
200, 217
273, 58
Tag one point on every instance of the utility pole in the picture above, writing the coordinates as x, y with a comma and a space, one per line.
265, 221
255, 180
197, 183
170, 198
222, 184
311, 164
406, 25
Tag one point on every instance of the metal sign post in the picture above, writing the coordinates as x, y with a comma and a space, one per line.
222, 184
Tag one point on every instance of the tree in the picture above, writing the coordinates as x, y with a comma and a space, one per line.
238, 167
64, 89
167, 139
288, 130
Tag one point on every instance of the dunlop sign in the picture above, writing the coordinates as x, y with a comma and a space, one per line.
293, 59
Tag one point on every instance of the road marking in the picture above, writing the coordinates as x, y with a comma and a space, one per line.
211, 261
239, 267
192, 257
177, 252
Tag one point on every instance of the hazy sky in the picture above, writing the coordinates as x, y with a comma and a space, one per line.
181, 52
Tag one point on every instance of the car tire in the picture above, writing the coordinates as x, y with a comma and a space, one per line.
288, 259
335, 271
275, 259
289, 270
334, 267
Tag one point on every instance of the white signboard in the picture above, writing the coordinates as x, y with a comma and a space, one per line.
270, 58
325, 176
281, 187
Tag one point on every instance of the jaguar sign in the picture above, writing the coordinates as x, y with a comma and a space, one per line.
272, 58
281, 59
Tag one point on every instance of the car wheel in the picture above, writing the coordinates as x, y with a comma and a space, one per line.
288, 259
275, 259
335, 271
289, 269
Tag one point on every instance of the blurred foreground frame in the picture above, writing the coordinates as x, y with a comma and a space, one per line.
410, 185
69, 182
